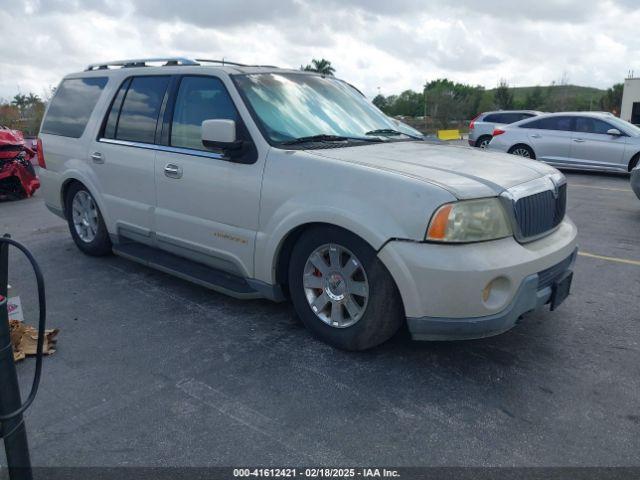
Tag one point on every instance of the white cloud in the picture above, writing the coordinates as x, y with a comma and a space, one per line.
393, 45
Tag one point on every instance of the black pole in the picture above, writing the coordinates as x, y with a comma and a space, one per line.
13, 431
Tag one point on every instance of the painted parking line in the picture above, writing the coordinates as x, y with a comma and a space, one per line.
612, 189
610, 259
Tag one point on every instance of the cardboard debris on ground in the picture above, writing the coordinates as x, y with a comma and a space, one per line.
24, 339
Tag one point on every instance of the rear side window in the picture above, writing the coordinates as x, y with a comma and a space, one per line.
493, 118
72, 106
199, 99
114, 113
550, 123
516, 117
140, 109
506, 118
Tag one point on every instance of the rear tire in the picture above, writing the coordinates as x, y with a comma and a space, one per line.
522, 151
370, 311
483, 142
634, 161
85, 222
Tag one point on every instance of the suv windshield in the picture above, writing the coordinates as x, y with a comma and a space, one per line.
304, 107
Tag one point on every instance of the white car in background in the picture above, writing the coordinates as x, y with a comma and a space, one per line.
481, 127
262, 182
578, 140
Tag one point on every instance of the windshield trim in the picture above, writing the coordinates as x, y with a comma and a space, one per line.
258, 123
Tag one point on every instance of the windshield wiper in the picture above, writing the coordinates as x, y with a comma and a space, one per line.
391, 131
325, 137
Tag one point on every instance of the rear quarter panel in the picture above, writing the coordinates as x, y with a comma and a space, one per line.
67, 158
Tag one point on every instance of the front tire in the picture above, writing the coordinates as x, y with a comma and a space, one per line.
85, 222
342, 291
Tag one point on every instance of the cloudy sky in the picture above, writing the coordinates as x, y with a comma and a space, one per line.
389, 45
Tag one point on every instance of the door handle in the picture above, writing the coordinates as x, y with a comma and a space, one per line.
172, 170
535, 135
579, 140
97, 157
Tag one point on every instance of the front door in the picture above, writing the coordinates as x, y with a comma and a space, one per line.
551, 139
593, 147
207, 205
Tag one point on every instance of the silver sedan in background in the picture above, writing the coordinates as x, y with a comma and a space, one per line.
580, 140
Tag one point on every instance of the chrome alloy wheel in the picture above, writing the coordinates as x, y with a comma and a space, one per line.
484, 143
522, 152
85, 216
336, 285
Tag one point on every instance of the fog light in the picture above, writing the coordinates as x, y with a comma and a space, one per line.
496, 293
486, 291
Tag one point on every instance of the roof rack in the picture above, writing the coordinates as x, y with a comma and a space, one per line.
221, 62
168, 62
234, 64
141, 62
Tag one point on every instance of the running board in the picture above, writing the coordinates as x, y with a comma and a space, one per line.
185, 269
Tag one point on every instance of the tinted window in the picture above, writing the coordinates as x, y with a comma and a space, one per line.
506, 118
550, 123
592, 125
493, 118
112, 119
72, 106
199, 99
522, 116
140, 110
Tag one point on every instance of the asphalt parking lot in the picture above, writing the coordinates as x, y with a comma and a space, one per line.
154, 371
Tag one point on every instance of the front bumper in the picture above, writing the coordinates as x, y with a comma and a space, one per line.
531, 296
635, 181
442, 285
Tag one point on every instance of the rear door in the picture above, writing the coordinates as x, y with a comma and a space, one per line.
207, 205
550, 138
593, 147
124, 156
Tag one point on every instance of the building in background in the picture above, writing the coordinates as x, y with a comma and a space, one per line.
631, 101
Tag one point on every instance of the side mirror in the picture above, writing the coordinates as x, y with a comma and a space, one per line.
220, 134
614, 132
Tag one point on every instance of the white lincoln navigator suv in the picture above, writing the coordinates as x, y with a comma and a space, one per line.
264, 182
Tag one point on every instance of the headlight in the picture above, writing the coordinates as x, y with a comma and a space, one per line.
469, 221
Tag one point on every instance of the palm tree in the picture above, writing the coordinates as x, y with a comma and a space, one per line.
322, 66
20, 101
32, 100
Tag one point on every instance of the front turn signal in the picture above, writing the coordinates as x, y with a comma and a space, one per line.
438, 226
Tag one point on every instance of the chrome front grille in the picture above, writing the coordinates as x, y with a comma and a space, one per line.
541, 212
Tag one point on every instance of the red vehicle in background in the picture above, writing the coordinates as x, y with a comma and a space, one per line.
18, 178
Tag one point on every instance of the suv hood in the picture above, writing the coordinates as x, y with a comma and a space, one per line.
464, 171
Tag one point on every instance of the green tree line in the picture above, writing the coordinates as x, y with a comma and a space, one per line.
445, 102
